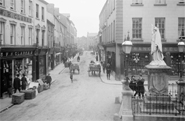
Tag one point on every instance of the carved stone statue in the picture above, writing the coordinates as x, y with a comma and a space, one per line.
156, 48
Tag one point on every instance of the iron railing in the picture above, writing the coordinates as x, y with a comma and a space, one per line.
170, 104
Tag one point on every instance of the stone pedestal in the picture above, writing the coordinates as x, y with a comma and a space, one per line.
126, 106
158, 101
157, 79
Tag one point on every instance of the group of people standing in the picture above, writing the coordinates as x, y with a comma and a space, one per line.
137, 85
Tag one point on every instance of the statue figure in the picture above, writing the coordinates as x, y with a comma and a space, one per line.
156, 48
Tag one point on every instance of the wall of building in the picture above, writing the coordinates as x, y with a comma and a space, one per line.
18, 23
148, 11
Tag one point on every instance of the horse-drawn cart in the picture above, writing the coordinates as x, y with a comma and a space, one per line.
93, 68
74, 66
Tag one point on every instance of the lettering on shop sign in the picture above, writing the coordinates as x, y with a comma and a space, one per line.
8, 54
14, 16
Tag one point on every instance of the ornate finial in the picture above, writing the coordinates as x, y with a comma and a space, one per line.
125, 38
128, 38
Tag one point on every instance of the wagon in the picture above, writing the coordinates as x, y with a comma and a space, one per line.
74, 66
93, 68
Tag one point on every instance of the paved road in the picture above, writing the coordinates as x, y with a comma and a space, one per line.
86, 99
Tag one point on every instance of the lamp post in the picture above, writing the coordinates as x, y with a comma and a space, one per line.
181, 82
126, 106
126, 47
181, 46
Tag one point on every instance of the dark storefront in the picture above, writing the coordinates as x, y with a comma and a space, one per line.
140, 57
15, 61
41, 63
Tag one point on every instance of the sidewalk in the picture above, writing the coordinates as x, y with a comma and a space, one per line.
6, 102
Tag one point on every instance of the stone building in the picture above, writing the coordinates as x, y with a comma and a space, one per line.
22, 40
120, 19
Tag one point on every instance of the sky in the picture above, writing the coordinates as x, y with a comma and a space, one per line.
83, 13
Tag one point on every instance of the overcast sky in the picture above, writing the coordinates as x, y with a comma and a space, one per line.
83, 13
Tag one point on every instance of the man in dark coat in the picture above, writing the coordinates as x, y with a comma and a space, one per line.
24, 82
108, 71
48, 79
16, 83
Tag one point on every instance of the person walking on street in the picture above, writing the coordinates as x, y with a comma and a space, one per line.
108, 71
71, 76
16, 83
24, 82
48, 79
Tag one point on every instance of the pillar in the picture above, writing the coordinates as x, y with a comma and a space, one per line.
118, 63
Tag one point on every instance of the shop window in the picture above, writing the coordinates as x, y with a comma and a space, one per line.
12, 34
160, 23
22, 35
181, 28
176, 63
41, 66
137, 28
2, 3
2, 33
12, 5
22, 6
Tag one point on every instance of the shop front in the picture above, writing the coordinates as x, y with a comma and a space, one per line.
140, 57
41, 70
14, 61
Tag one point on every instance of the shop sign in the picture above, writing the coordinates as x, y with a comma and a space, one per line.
14, 16
11, 54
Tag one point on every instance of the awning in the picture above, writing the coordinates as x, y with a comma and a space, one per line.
57, 54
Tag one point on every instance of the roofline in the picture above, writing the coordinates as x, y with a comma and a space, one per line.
43, 1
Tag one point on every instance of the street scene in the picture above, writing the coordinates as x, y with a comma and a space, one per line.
92, 60
87, 98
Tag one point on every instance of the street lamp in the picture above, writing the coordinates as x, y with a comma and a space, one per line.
181, 46
126, 47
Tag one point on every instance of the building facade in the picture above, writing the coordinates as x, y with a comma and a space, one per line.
121, 19
16, 42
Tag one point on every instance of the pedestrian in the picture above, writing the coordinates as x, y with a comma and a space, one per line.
71, 76
133, 83
108, 71
96, 57
24, 82
48, 79
16, 83
140, 87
